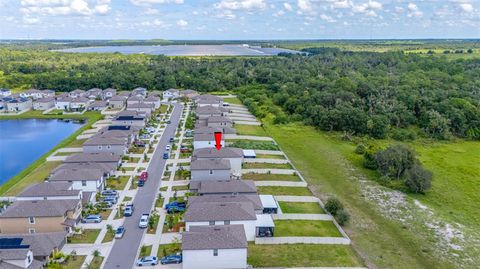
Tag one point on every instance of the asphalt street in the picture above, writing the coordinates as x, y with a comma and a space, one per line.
124, 251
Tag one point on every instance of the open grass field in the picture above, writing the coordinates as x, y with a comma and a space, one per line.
87, 237
301, 208
302, 255
381, 241
266, 165
36, 176
232, 100
244, 129
280, 190
274, 177
306, 228
270, 156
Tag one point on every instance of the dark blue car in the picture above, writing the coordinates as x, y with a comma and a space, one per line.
175, 203
174, 209
165, 155
171, 259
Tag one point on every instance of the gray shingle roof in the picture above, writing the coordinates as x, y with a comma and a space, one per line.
211, 130
13, 254
224, 152
204, 137
214, 237
93, 157
141, 105
252, 198
118, 98
219, 211
41, 244
210, 164
224, 186
208, 110
88, 174
135, 98
104, 167
45, 100
219, 119
103, 139
49, 189
39, 208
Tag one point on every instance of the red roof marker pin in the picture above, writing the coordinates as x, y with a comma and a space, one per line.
218, 140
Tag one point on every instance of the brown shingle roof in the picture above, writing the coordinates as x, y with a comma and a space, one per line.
224, 152
219, 198
210, 164
49, 189
76, 174
224, 186
214, 237
40, 208
219, 211
93, 157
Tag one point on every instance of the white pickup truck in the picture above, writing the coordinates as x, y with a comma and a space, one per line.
144, 221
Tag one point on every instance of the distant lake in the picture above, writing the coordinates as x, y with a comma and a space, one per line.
186, 50
24, 141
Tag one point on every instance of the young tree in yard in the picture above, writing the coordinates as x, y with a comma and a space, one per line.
394, 161
96, 253
418, 179
333, 205
342, 217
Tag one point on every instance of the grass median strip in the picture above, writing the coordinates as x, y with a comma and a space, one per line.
302, 255
321, 228
300, 208
280, 190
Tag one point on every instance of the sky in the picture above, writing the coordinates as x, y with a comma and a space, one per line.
239, 19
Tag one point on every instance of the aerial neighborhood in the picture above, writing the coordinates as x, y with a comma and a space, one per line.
152, 183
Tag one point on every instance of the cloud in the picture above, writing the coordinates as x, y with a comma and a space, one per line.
327, 18
182, 23
305, 6
414, 11
287, 7
240, 4
65, 7
342, 4
154, 2
151, 11
466, 7
30, 20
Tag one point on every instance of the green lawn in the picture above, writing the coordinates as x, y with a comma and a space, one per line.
275, 177
76, 143
180, 188
281, 190
108, 237
302, 255
87, 237
96, 262
168, 249
301, 207
232, 100
145, 250
306, 228
72, 263
270, 156
382, 241
266, 166
117, 183
36, 176
252, 144
245, 129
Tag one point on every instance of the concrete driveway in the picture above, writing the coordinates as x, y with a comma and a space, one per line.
124, 252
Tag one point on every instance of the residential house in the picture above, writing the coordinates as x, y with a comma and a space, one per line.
49, 191
97, 157
221, 198
171, 94
233, 155
134, 99
32, 93
214, 247
44, 103
63, 102
223, 187
48, 93
79, 104
139, 91
42, 245
16, 257
18, 104
98, 105
76, 93
117, 101
121, 131
205, 112
155, 93
129, 117
84, 179
124, 93
40, 216
212, 130
108, 93
190, 94
206, 141
208, 100
210, 169
5, 92
105, 143
93, 94
153, 100
107, 168
142, 107
219, 121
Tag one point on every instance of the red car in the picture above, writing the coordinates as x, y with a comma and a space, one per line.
144, 176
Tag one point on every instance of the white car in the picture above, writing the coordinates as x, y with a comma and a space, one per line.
143, 221
148, 260
168, 147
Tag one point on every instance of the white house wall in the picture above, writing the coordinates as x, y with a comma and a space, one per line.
204, 259
248, 225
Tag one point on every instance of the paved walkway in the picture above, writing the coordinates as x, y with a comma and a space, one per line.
280, 183
302, 240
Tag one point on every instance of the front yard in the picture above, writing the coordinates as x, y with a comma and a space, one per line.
301, 208
322, 228
275, 177
117, 183
302, 255
87, 237
280, 190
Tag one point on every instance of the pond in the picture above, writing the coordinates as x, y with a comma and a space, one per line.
186, 50
24, 141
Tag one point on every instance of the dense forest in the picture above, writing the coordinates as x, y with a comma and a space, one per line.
362, 93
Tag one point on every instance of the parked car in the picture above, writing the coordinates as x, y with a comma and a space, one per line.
165, 155
112, 200
119, 232
168, 147
143, 223
184, 149
148, 260
175, 209
92, 219
140, 183
168, 122
171, 140
104, 204
108, 193
144, 175
139, 144
128, 211
175, 203
145, 136
171, 259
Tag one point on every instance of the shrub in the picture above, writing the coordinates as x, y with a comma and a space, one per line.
342, 217
418, 179
333, 205
360, 149
403, 134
